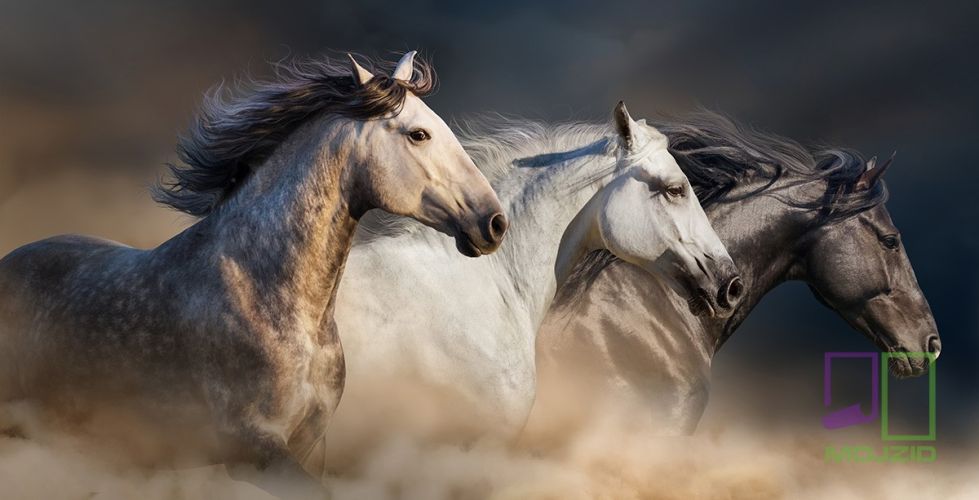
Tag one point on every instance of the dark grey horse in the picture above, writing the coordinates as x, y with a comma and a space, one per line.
784, 213
227, 328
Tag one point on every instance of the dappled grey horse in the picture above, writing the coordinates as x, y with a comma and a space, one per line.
784, 213
228, 326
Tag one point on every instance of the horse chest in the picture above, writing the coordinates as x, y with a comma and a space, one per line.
495, 370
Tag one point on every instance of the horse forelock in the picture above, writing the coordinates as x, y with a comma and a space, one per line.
236, 129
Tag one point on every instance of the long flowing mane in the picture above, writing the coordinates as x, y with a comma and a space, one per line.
717, 155
237, 129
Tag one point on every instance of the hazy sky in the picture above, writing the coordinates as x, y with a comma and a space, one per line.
108, 85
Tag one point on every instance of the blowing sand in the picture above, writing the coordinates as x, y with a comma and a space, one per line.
599, 460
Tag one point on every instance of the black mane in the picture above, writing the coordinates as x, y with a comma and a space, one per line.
717, 155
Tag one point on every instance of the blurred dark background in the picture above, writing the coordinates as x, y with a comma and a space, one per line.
92, 96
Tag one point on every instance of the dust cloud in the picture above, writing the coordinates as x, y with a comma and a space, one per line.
600, 460
729, 458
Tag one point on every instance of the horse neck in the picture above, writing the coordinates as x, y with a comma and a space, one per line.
541, 208
764, 237
285, 234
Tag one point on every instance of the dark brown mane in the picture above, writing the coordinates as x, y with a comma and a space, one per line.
234, 133
718, 154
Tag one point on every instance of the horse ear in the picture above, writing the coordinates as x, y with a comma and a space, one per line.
873, 173
624, 124
405, 67
361, 75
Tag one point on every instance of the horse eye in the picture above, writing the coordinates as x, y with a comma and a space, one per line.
676, 191
890, 241
419, 135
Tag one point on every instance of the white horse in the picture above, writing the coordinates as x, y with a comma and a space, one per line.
411, 314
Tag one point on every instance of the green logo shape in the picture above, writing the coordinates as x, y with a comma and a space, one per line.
884, 434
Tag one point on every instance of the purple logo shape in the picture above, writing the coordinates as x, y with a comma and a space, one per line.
853, 414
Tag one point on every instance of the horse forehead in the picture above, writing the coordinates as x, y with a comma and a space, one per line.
654, 138
412, 104
413, 113
876, 217
881, 216
660, 163
415, 110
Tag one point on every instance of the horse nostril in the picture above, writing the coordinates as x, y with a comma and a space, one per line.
934, 344
497, 227
736, 288
729, 295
